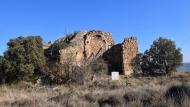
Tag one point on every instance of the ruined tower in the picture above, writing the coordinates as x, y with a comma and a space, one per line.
129, 54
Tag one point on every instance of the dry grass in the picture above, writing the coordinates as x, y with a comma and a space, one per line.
128, 92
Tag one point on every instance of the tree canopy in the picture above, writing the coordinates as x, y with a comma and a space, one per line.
23, 59
162, 58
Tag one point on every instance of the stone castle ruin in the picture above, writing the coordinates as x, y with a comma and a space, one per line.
88, 46
129, 54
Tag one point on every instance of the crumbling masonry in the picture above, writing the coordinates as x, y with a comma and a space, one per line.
129, 54
87, 46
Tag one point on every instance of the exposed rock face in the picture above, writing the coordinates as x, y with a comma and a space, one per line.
83, 46
75, 51
122, 57
72, 54
129, 53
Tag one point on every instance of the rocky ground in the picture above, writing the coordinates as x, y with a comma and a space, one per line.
164, 91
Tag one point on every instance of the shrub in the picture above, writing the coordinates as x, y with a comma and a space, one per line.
99, 66
76, 76
24, 103
24, 59
146, 97
90, 98
178, 94
162, 58
66, 73
61, 98
4, 68
113, 101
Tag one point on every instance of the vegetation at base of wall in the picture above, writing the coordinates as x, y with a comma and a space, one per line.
68, 73
99, 66
162, 58
64, 74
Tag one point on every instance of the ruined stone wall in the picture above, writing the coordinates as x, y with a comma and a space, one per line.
46, 46
96, 43
72, 54
129, 53
75, 52
86, 46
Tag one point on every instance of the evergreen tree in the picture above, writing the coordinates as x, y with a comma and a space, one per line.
24, 58
162, 58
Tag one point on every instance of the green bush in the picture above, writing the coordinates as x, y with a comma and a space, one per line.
162, 58
23, 60
4, 69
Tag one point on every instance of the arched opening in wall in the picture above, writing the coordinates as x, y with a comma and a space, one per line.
98, 36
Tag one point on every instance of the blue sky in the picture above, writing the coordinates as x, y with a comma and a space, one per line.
145, 19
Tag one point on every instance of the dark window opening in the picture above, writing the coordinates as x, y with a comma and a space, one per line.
98, 36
